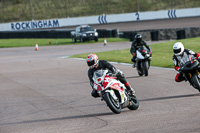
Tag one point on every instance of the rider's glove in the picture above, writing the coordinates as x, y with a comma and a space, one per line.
110, 74
134, 55
179, 70
113, 75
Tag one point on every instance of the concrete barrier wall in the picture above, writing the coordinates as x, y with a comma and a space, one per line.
163, 34
114, 18
148, 35
52, 33
192, 32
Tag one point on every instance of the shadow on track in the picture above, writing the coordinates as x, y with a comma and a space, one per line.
169, 97
134, 77
58, 119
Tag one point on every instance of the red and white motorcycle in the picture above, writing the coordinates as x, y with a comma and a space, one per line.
113, 92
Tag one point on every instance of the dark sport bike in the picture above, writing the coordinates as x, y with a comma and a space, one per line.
191, 72
143, 59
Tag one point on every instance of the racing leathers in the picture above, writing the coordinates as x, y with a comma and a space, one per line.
179, 60
103, 65
135, 45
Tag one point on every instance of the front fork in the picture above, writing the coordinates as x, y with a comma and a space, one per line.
198, 74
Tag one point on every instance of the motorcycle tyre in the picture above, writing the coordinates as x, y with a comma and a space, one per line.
148, 64
196, 82
111, 105
135, 104
145, 66
140, 73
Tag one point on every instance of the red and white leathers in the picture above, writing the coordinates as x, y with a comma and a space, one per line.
182, 59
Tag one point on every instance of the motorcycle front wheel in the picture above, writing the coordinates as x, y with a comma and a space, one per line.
113, 104
145, 67
196, 82
139, 68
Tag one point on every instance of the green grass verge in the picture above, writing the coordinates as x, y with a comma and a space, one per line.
5, 43
162, 53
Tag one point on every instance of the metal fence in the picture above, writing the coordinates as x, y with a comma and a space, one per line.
26, 10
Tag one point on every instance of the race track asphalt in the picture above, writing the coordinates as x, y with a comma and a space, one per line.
45, 92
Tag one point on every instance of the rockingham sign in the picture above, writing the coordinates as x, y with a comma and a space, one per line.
102, 19
34, 24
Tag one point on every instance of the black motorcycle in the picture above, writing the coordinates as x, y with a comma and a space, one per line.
191, 72
143, 59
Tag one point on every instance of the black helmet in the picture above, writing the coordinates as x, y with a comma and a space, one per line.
138, 38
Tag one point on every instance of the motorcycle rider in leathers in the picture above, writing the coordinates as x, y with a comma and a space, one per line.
180, 57
95, 64
137, 43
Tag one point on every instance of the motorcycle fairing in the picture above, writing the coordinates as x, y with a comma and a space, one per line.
142, 53
98, 87
110, 84
116, 85
190, 65
139, 55
106, 80
112, 93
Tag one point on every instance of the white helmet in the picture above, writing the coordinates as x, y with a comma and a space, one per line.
178, 48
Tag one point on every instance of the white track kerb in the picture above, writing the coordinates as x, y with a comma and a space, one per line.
126, 64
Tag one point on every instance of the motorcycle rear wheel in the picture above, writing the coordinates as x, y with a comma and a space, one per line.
114, 105
135, 104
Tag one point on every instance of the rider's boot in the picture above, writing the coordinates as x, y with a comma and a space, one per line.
130, 90
133, 65
94, 94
